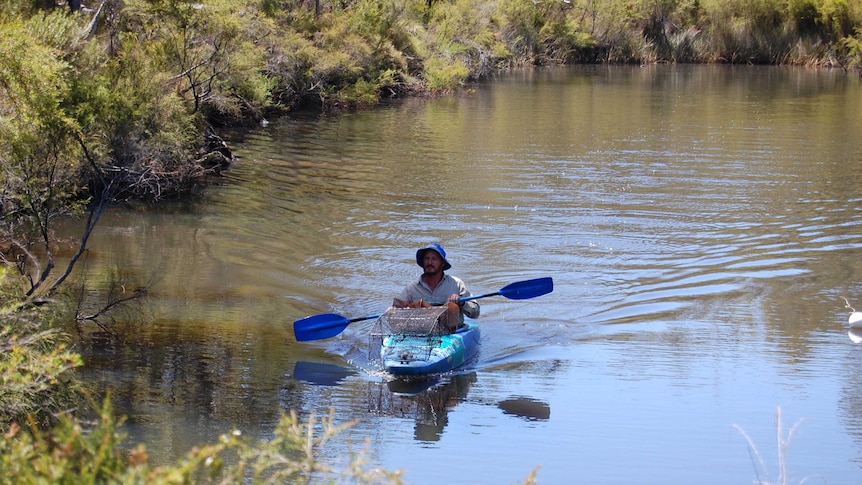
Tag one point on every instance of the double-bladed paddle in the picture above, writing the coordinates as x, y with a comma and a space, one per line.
327, 325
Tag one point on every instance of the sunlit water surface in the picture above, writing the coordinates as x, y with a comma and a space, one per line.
701, 225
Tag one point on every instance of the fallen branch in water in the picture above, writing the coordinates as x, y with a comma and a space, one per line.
138, 293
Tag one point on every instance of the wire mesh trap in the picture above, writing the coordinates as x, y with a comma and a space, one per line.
410, 334
424, 322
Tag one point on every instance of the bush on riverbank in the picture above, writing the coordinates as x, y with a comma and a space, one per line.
128, 88
37, 382
93, 454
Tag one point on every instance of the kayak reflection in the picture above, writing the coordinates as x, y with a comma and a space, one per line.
427, 400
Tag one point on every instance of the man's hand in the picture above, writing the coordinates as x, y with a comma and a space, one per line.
410, 304
418, 304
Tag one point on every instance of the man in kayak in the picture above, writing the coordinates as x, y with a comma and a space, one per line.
437, 288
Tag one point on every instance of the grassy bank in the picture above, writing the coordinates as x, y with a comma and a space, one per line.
125, 90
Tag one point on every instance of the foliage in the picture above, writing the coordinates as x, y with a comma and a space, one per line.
773, 32
74, 453
443, 76
35, 131
186, 62
38, 153
205, 51
349, 71
20, 7
31, 370
566, 43
520, 27
66, 454
853, 48
39, 175
460, 43
36, 364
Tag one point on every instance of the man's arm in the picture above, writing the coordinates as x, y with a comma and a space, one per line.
469, 308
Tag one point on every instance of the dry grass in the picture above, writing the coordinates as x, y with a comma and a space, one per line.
783, 439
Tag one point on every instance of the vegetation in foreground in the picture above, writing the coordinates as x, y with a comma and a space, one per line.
68, 453
121, 99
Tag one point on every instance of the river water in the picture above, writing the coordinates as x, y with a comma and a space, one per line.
702, 225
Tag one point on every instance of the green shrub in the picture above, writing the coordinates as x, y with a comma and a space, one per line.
852, 47
836, 18
565, 43
519, 28
212, 53
36, 365
79, 454
35, 373
464, 33
443, 76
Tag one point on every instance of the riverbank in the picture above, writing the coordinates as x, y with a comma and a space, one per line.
128, 91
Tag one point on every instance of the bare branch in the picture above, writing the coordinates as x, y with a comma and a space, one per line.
138, 293
92, 218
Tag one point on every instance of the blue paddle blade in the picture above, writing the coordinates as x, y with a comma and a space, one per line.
318, 327
323, 326
523, 290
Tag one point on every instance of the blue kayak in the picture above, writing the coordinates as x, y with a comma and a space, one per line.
412, 355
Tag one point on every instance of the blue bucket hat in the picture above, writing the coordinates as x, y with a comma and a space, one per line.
420, 255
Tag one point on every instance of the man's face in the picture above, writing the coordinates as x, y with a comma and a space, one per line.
432, 263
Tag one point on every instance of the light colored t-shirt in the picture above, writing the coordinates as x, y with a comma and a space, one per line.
449, 285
